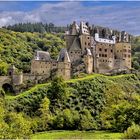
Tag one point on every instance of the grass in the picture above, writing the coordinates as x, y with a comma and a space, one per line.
76, 135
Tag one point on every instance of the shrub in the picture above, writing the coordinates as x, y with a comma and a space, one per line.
14, 126
132, 132
86, 121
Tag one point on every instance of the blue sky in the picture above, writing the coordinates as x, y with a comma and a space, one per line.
115, 14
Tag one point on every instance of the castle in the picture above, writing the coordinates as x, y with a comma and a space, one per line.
89, 50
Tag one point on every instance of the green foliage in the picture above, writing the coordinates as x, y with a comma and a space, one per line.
13, 125
92, 102
2, 93
57, 93
3, 68
119, 116
36, 27
67, 119
87, 122
28, 102
136, 53
45, 117
132, 132
18, 48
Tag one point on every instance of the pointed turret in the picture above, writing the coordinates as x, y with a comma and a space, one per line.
64, 64
63, 56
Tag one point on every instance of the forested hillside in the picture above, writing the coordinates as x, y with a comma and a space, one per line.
94, 102
18, 48
37, 27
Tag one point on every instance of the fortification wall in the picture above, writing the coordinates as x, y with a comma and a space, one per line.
5, 79
35, 78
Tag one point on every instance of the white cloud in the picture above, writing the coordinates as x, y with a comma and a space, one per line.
62, 13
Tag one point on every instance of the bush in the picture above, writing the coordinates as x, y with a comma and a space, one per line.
14, 126
86, 121
133, 132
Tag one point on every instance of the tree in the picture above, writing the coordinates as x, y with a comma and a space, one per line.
57, 90
45, 117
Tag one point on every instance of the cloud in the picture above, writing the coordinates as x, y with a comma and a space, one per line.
120, 16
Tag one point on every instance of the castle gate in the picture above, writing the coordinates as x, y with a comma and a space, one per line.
6, 84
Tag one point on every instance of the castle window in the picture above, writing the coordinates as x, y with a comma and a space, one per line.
129, 56
85, 43
105, 50
70, 52
105, 55
103, 60
88, 44
102, 55
125, 50
129, 51
125, 55
88, 37
111, 50
100, 49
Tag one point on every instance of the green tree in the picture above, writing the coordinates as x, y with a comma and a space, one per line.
46, 116
86, 121
58, 89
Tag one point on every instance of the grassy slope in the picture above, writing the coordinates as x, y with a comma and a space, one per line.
116, 79
76, 135
88, 92
127, 83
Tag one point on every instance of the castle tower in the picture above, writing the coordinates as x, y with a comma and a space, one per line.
11, 70
123, 55
64, 65
17, 77
88, 60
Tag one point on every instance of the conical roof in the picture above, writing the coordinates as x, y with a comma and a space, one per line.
76, 44
63, 56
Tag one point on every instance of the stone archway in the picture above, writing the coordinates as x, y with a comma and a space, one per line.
8, 88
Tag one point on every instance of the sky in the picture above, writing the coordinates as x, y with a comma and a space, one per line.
120, 15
